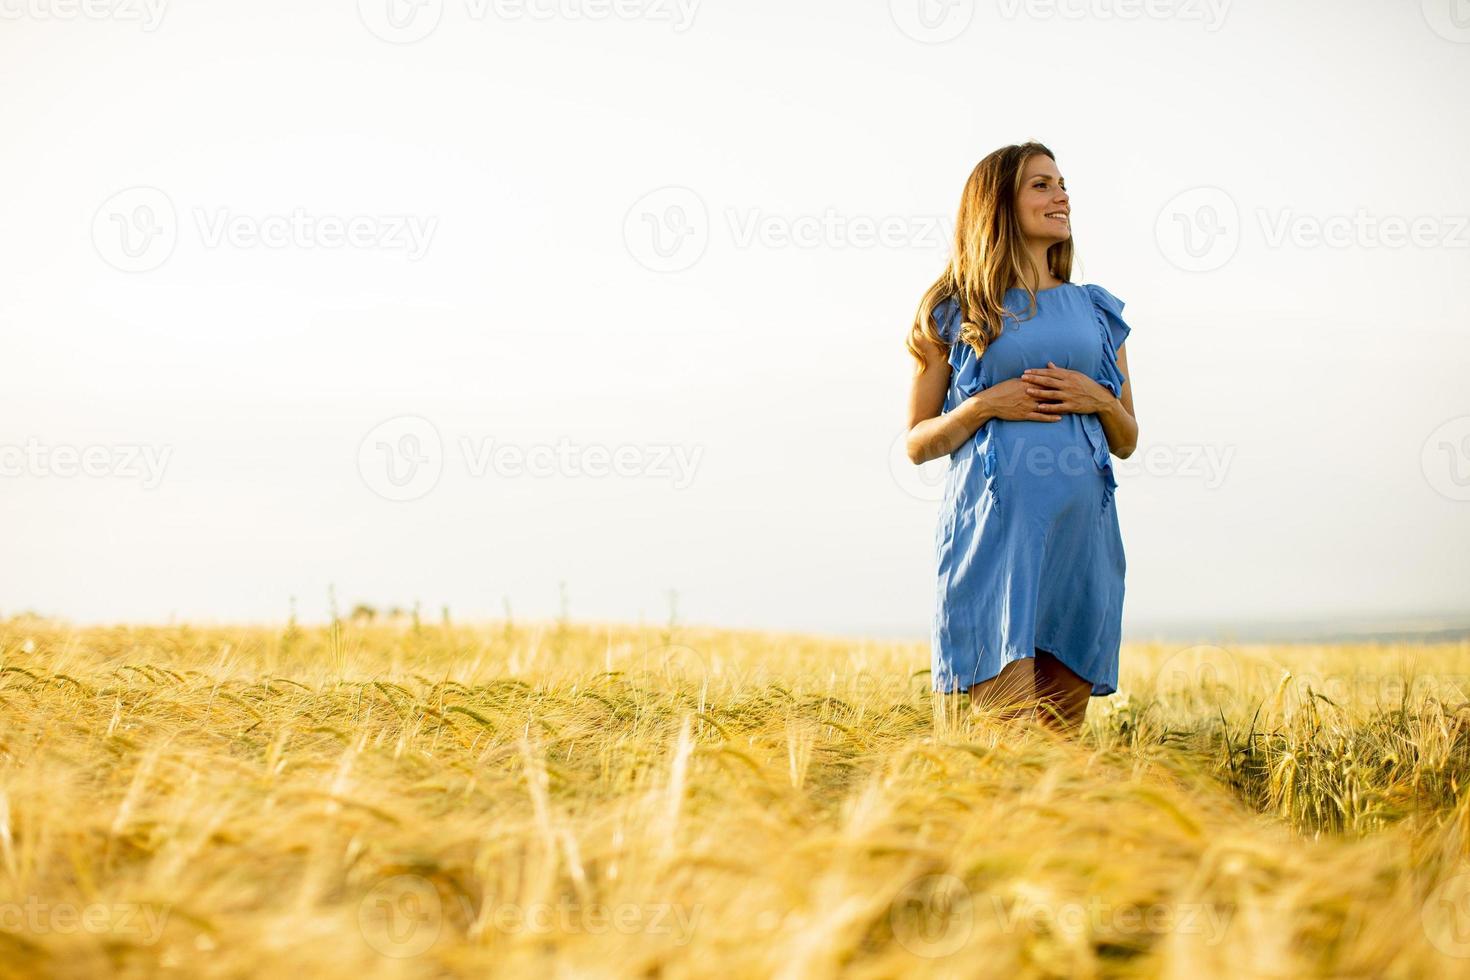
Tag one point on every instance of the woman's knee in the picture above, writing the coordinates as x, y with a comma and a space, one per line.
1016, 682
1051, 672
1058, 685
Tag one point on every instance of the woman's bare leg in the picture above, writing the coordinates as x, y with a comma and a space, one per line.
1011, 693
1064, 691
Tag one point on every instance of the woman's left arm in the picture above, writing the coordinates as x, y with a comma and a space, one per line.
1117, 418
1073, 391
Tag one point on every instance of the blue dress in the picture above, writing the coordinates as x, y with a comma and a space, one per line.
1029, 551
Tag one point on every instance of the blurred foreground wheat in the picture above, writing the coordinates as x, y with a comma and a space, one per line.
603, 800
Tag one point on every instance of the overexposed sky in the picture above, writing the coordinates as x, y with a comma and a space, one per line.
458, 300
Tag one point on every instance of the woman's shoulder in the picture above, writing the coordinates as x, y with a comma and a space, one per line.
1102, 298
946, 307
1108, 309
946, 318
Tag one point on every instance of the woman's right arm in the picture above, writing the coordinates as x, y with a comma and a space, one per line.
934, 432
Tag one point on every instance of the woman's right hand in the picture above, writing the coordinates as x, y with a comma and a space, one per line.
1009, 400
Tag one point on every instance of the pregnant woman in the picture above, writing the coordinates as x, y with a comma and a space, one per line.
1022, 382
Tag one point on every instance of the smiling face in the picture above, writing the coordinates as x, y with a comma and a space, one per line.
1042, 204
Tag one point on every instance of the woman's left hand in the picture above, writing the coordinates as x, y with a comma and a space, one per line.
1065, 390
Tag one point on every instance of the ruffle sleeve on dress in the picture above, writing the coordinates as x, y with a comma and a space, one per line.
964, 368
1109, 312
1113, 330
964, 365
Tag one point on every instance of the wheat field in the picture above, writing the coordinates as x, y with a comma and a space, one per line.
559, 799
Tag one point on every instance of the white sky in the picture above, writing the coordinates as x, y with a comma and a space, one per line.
523, 149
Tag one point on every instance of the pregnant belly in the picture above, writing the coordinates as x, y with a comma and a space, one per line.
1025, 451
1038, 472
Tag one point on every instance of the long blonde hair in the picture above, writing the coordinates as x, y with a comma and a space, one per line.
989, 255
